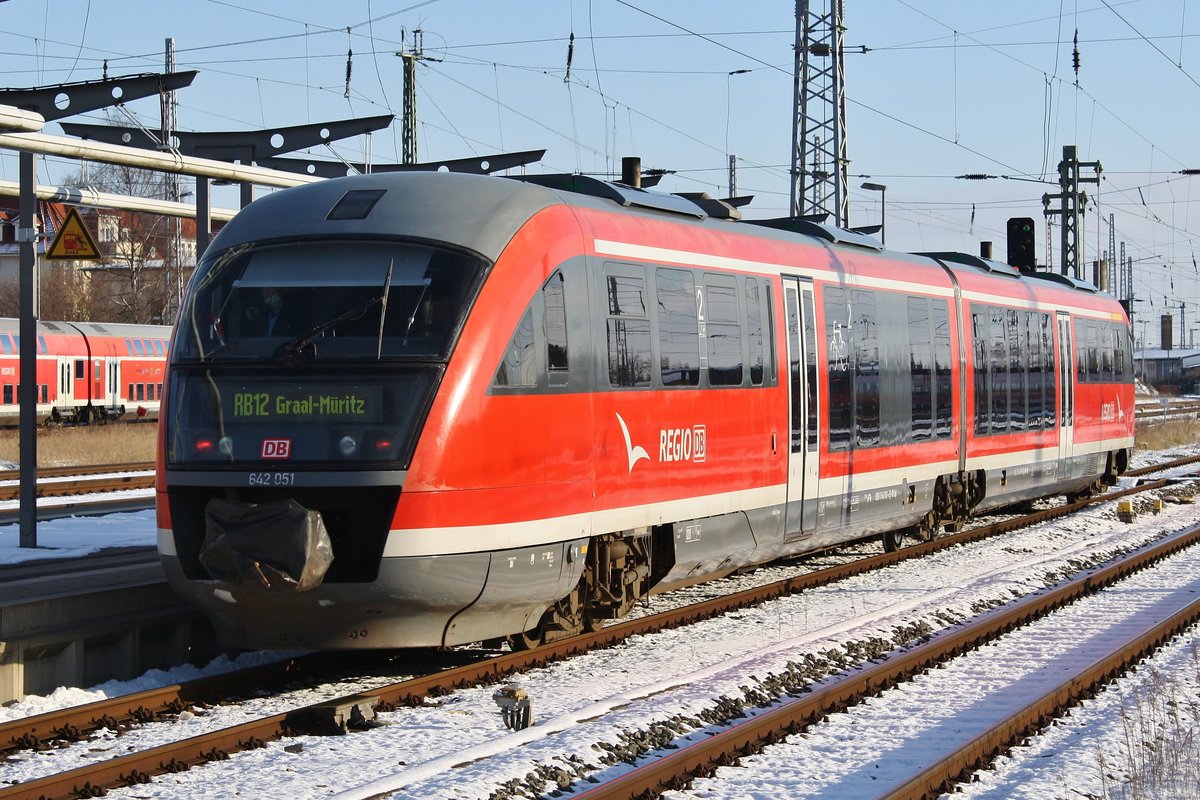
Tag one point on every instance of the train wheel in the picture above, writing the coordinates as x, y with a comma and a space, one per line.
893, 540
527, 640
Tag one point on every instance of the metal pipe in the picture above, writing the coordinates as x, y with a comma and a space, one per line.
77, 196
45, 144
18, 119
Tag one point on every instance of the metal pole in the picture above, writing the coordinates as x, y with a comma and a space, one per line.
27, 352
203, 215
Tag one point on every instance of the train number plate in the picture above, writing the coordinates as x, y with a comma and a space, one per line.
272, 478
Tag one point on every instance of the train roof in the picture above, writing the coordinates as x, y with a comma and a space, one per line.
482, 214
118, 329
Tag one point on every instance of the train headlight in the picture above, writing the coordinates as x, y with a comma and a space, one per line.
348, 445
225, 446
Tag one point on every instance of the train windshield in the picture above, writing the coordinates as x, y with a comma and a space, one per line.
326, 301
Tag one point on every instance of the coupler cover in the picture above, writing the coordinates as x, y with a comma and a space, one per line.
273, 547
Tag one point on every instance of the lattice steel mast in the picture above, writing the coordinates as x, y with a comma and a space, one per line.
819, 158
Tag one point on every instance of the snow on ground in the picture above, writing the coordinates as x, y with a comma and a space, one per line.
427, 751
77, 536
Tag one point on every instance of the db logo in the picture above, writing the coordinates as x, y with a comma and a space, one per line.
277, 448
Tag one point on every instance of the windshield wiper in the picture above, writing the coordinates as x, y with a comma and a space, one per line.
289, 350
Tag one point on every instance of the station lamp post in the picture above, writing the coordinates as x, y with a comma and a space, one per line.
879, 187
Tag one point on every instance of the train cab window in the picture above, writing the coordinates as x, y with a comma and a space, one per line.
555, 323
80, 369
342, 300
678, 330
723, 330
628, 328
755, 327
840, 403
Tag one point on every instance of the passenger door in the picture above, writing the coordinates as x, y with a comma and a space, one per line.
1066, 394
804, 409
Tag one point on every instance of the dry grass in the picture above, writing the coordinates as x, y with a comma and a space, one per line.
99, 444
1165, 435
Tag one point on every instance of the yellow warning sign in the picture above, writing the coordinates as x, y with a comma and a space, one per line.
73, 240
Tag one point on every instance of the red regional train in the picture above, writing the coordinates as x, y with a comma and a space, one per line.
424, 409
87, 371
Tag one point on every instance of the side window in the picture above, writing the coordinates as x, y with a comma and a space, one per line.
628, 330
8, 394
678, 331
556, 329
920, 368
998, 369
942, 369
1018, 355
810, 348
840, 403
519, 366
1050, 374
723, 331
980, 333
1036, 381
80, 369
865, 325
756, 328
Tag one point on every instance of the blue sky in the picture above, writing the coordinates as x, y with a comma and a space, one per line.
943, 89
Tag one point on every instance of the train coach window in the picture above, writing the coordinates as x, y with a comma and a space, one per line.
1018, 357
80, 369
755, 326
841, 384
865, 325
998, 370
723, 330
8, 394
943, 381
980, 325
554, 298
920, 368
1035, 381
678, 331
45, 393
628, 331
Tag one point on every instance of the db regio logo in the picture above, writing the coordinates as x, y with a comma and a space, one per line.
683, 444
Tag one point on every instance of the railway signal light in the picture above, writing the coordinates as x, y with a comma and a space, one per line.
1021, 252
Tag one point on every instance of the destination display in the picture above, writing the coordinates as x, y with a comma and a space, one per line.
304, 404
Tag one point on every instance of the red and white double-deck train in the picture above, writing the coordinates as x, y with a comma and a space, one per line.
427, 409
86, 371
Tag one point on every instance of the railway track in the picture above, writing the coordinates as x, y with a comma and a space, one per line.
215, 745
69, 481
680, 767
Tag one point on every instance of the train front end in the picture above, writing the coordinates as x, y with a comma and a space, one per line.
314, 338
